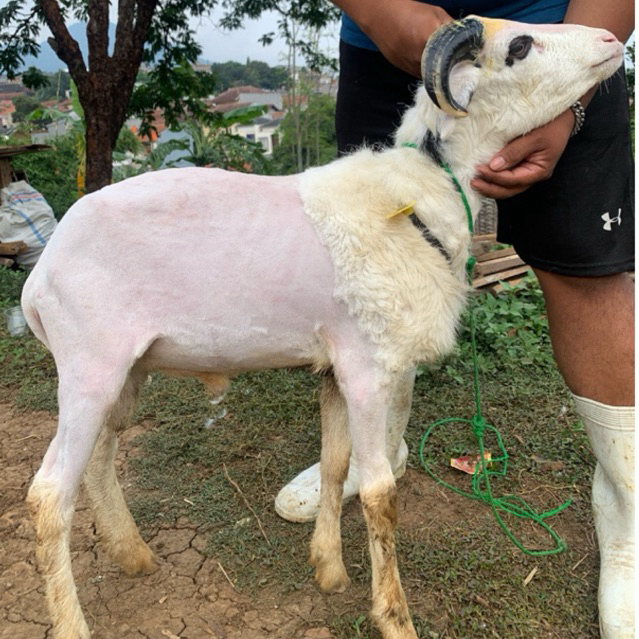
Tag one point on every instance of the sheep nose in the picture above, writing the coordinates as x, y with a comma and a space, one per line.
608, 37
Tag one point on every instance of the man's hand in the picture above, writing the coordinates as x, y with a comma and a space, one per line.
526, 160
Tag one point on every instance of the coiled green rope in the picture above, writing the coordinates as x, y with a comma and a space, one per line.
481, 489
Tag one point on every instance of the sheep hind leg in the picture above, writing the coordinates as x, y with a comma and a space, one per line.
84, 409
326, 546
115, 525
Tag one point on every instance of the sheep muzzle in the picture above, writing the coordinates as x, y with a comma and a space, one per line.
454, 42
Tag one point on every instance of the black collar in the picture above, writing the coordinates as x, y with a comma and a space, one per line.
431, 146
429, 237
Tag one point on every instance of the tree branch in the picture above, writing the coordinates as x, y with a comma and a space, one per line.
67, 48
124, 28
98, 34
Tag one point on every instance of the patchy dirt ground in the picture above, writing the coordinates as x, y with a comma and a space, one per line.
188, 597
191, 596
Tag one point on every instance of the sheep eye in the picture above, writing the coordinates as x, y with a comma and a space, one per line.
518, 49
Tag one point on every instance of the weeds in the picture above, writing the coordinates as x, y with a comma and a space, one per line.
511, 331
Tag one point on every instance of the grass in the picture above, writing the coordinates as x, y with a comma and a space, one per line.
462, 576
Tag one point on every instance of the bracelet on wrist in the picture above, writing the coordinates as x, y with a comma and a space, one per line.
580, 116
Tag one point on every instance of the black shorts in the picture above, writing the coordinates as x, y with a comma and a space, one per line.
579, 222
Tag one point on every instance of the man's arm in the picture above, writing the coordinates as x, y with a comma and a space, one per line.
399, 28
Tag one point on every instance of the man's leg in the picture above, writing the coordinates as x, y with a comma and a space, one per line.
592, 331
591, 323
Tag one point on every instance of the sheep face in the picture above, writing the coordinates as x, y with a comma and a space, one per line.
520, 76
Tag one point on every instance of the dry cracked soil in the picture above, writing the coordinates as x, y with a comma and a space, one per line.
188, 597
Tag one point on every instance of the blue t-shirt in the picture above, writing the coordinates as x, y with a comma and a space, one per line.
533, 11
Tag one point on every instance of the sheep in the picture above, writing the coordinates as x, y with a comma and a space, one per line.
208, 273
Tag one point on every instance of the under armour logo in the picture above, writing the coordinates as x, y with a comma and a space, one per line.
609, 221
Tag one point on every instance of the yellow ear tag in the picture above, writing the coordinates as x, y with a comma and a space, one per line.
404, 210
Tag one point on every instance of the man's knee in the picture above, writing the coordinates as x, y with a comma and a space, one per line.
590, 288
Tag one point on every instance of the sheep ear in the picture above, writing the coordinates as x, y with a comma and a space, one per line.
445, 125
464, 79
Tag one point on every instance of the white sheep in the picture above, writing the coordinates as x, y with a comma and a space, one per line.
207, 273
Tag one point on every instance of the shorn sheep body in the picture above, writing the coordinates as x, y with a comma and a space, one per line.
207, 273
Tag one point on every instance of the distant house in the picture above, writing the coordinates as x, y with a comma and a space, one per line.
241, 96
64, 106
263, 129
159, 126
12, 89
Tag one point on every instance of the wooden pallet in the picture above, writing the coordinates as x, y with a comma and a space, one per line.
495, 265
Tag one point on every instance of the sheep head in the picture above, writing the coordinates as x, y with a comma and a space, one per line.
523, 74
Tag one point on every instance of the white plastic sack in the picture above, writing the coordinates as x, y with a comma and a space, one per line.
25, 216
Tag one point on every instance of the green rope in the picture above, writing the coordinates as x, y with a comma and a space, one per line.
481, 488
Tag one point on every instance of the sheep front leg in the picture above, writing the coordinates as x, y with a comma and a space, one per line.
368, 402
326, 547
390, 610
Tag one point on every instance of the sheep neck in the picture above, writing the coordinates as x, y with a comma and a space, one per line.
431, 146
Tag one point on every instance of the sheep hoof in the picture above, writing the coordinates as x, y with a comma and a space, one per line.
138, 563
77, 629
331, 577
394, 622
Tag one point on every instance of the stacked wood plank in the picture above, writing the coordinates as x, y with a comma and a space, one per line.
495, 265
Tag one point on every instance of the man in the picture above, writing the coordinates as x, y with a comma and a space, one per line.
565, 197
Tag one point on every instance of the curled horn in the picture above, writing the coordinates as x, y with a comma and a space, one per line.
450, 44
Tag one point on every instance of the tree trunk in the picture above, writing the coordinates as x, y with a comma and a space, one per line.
106, 83
99, 145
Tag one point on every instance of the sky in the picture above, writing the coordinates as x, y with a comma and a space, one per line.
220, 46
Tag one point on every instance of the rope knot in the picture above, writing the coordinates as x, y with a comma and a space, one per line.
479, 425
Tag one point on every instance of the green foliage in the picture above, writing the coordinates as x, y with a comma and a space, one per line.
24, 105
307, 136
33, 78
11, 283
19, 28
28, 373
210, 142
178, 90
53, 173
128, 142
630, 80
58, 85
315, 14
511, 332
255, 73
630, 70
